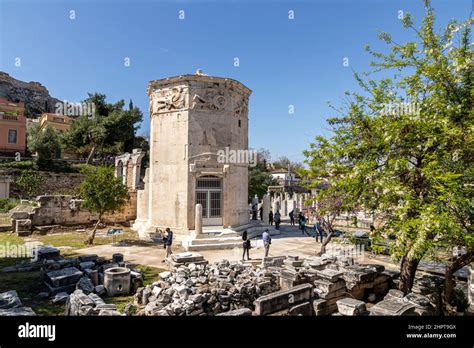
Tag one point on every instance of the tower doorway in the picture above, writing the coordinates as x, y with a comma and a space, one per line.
209, 195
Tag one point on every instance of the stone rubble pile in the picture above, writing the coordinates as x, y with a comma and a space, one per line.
206, 290
350, 307
329, 288
10, 305
295, 301
318, 285
395, 303
81, 304
43, 254
83, 276
84, 272
364, 280
333, 278
281, 286
430, 286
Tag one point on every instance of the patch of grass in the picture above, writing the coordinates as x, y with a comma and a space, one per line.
28, 285
9, 261
58, 166
76, 239
150, 274
119, 301
19, 165
10, 238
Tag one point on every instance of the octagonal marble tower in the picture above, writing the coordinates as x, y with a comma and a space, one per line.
192, 118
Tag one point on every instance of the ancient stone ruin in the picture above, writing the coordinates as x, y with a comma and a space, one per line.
280, 286
79, 282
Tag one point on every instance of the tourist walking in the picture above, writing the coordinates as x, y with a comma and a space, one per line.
302, 223
246, 245
267, 241
277, 220
318, 228
254, 211
168, 241
261, 213
292, 217
270, 218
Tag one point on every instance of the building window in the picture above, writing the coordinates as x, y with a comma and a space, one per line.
239, 124
12, 136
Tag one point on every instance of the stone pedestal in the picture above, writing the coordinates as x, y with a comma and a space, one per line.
300, 202
276, 205
117, 281
198, 219
284, 208
266, 208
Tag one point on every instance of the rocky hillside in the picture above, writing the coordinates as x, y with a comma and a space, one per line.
35, 96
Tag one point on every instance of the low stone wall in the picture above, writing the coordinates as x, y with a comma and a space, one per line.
68, 211
127, 213
53, 183
61, 210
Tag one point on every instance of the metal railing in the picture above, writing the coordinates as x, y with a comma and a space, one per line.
9, 117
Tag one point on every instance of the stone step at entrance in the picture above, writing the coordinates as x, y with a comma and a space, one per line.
199, 241
214, 246
215, 239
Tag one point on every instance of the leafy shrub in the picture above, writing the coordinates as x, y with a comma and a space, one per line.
6, 204
30, 182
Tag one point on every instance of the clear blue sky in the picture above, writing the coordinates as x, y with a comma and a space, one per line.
297, 62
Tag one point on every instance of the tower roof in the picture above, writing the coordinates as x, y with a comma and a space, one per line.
198, 78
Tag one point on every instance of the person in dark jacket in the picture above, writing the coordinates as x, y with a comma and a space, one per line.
318, 228
168, 241
292, 217
246, 245
302, 223
270, 218
254, 212
277, 220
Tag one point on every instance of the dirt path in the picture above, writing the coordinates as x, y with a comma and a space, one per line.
289, 242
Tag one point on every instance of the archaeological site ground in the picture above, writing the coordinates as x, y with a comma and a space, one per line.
236, 172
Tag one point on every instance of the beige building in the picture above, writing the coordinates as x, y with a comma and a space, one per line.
59, 122
196, 122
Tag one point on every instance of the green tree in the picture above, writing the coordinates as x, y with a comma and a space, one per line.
110, 131
403, 148
259, 176
102, 193
30, 182
46, 143
285, 163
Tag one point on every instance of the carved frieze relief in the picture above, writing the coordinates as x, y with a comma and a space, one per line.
168, 100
